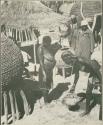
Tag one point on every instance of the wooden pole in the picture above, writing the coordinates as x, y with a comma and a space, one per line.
25, 102
34, 48
12, 105
81, 11
5, 108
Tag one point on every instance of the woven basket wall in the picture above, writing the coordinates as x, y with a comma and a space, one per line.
11, 63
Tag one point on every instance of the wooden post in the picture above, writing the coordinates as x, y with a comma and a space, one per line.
56, 5
5, 108
35, 61
16, 107
63, 71
26, 106
12, 105
34, 48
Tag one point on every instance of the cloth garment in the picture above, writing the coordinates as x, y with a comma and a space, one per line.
34, 38
97, 54
49, 79
74, 36
26, 57
81, 86
69, 57
37, 32
65, 42
49, 60
85, 44
59, 60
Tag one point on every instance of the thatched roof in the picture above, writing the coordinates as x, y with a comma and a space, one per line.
66, 8
24, 14
90, 8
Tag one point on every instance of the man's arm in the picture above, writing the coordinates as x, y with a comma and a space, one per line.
41, 60
41, 57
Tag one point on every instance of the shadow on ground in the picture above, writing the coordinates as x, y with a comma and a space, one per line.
33, 93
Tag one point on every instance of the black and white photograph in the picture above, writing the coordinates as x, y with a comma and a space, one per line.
51, 62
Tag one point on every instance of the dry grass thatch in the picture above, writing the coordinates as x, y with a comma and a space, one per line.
23, 14
90, 8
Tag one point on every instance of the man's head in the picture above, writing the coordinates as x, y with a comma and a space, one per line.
73, 19
84, 25
46, 41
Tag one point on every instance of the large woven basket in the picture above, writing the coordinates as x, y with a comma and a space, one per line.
11, 63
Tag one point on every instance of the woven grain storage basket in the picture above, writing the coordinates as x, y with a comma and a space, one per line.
11, 63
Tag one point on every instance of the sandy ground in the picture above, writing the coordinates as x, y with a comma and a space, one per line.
57, 113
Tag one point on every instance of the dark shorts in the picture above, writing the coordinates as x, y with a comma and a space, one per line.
49, 79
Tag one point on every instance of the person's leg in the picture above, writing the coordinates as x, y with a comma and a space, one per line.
76, 72
96, 69
93, 67
43, 85
49, 82
89, 97
75, 82
92, 105
48, 85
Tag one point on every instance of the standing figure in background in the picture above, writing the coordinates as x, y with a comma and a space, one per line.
96, 59
94, 87
47, 62
74, 32
85, 42
65, 32
26, 60
84, 49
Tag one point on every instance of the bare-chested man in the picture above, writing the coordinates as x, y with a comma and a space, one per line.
47, 62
